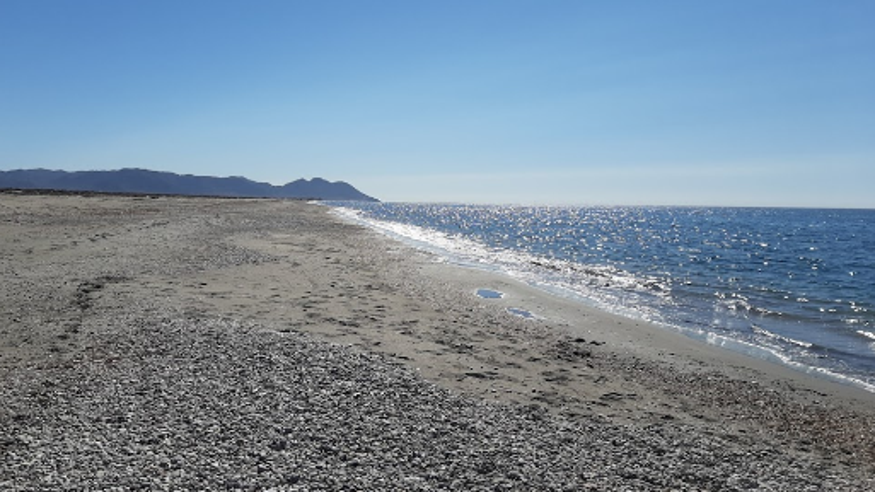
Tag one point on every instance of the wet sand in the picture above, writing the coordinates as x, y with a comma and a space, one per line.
87, 276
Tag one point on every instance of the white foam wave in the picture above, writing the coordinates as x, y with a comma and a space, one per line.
741, 304
459, 249
775, 355
519, 264
775, 336
867, 334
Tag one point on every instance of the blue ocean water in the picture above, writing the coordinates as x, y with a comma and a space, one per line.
795, 286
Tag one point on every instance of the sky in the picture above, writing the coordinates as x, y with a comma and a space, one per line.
748, 102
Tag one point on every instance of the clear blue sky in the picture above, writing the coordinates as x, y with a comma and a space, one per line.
750, 102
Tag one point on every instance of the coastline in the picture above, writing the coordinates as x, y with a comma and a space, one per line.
819, 330
76, 265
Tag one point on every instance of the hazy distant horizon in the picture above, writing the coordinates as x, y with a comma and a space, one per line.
485, 201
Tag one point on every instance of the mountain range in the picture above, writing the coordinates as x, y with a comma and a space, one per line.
166, 183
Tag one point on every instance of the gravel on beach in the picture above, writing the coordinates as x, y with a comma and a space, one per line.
192, 403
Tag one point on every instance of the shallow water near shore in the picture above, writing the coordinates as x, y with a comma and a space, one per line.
793, 286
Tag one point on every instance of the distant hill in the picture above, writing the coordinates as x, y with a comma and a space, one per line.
145, 181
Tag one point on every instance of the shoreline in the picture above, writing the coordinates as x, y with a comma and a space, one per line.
625, 334
664, 342
445, 254
104, 290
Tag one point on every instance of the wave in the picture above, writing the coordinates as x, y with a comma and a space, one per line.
868, 334
775, 336
465, 251
776, 355
740, 303
462, 249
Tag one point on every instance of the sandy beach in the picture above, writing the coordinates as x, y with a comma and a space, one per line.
171, 343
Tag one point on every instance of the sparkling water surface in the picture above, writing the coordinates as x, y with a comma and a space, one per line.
790, 285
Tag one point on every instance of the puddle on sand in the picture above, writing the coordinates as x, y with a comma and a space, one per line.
495, 294
489, 294
521, 313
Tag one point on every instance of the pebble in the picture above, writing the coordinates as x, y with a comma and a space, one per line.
169, 407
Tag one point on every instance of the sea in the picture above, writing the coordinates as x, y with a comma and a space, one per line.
794, 286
